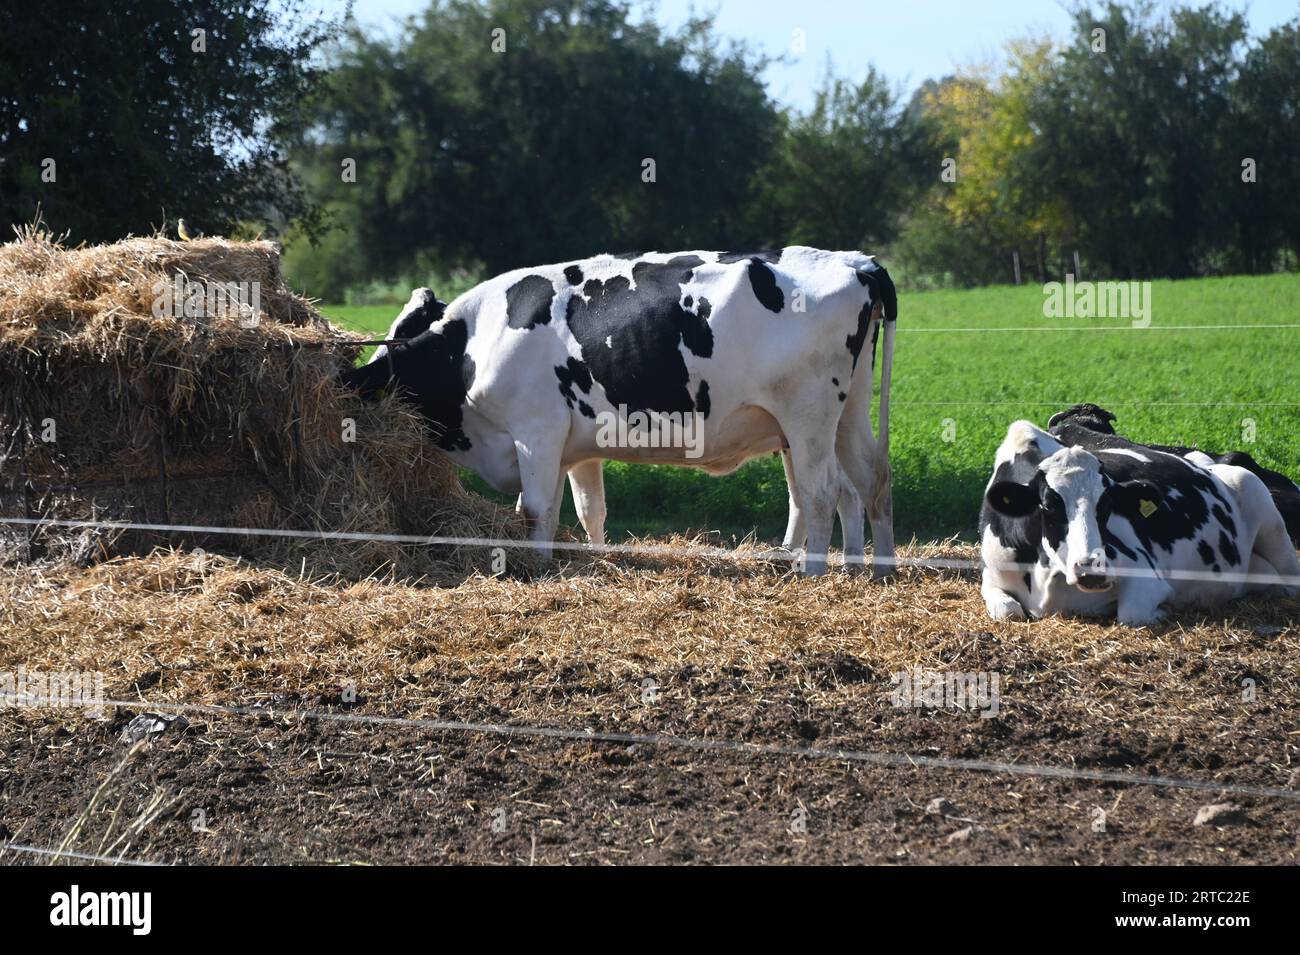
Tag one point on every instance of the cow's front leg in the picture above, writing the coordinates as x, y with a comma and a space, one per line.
540, 474
1140, 599
1001, 604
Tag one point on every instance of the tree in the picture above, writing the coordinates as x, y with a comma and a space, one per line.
844, 173
1132, 139
1263, 164
523, 131
115, 116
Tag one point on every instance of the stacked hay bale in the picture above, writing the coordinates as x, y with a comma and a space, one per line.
183, 383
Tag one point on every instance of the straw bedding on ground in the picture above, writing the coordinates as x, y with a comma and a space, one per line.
162, 416
736, 649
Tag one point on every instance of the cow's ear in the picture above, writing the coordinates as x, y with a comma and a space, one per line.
1011, 499
1136, 500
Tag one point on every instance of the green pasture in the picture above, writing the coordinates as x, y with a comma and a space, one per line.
1212, 369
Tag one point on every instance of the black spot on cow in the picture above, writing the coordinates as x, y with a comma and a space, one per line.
574, 372
763, 281
835, 381
1206, 551
1228, 548
696, 334
856, 340
881, 288
528, 302
586, 409
687, 302
702, 403
880, 291
1222, 517
433, 373
1021, 534
573, 275
1115, 546
843, 395
645, 326
767, 255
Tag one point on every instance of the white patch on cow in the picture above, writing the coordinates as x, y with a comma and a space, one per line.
1128, 452
1075, 474
1021, 437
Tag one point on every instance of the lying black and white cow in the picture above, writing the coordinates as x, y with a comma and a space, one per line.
522, 377
1126, 531
1089, 426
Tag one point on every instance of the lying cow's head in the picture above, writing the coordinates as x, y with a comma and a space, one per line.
1072, 498
427, 364
1087, 415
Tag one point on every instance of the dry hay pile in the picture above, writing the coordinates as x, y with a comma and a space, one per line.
200, 416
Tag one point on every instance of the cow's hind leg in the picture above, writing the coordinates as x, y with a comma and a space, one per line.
1273, 545
848, 506
851, 525
588, 483
866, 462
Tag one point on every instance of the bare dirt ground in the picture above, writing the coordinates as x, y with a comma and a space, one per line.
701, 650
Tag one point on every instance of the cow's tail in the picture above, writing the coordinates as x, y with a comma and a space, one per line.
882, 290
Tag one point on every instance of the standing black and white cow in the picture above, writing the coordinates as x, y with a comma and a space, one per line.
1089, 426
1125, 532
523, 377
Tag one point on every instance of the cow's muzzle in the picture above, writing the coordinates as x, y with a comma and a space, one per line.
1091, 574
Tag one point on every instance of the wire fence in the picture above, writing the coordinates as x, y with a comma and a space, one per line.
659, 550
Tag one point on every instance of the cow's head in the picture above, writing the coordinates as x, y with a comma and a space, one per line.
1093, 417
1073, 498
419, 313
428, 366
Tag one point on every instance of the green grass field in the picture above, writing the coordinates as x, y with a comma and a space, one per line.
1208, 371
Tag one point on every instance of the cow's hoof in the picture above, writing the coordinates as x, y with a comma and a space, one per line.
1140, 621
1008, 609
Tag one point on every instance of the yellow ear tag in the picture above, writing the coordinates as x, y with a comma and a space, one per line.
1147, 507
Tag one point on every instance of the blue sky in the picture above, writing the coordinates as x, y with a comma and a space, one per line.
908, 41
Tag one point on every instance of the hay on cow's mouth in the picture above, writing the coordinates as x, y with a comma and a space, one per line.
112, 409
